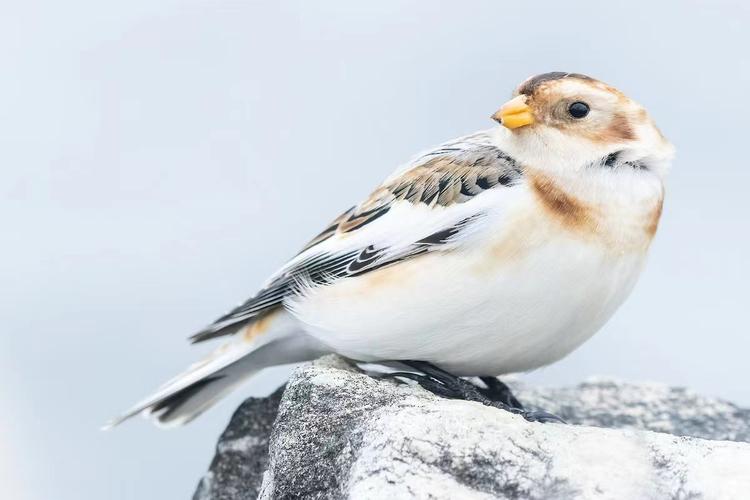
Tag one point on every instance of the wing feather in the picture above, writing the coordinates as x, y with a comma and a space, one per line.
417, 211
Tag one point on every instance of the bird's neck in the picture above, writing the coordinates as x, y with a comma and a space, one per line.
619, 209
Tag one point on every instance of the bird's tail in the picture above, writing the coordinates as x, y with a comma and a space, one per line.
273, 340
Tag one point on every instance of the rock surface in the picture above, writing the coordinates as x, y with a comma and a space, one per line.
236, 471
336, 432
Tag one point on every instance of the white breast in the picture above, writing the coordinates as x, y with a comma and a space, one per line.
523, 293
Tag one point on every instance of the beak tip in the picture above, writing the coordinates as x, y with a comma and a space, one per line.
514, 113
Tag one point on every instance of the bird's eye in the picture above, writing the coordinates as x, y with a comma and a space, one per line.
578, 109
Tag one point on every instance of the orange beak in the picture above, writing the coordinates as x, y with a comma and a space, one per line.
514, 113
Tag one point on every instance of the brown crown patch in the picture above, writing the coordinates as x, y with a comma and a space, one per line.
532, 84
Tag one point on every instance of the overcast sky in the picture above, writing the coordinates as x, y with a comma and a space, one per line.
160, 158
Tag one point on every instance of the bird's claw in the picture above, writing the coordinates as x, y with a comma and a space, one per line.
425, 382
543, 417
498, 391
447, 385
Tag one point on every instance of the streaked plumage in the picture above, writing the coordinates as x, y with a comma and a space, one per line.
497, 252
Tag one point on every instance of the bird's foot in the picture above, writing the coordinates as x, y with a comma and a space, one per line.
497, 391
447, 385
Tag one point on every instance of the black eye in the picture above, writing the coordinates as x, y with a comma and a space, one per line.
578, 109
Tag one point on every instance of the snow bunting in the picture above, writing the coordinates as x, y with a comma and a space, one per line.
501, 251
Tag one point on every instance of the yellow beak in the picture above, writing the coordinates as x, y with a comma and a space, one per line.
514, 113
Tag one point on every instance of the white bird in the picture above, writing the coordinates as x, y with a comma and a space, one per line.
498, 252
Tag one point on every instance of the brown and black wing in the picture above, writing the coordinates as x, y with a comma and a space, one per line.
452, 174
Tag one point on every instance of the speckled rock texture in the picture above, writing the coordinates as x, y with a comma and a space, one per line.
236, 472
339, 433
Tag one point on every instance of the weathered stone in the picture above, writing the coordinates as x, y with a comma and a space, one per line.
236, 471
340, 433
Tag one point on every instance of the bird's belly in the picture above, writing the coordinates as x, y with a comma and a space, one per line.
478, 311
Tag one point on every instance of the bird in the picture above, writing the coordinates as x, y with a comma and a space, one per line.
498, 252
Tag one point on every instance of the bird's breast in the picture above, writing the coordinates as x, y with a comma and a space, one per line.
542, 275
621, 213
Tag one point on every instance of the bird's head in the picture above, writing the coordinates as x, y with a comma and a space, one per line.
571, 120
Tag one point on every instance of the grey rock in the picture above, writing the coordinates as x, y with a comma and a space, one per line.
236, 471
340, 433
604, 402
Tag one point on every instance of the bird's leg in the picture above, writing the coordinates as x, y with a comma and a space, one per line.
445, 384
497, 391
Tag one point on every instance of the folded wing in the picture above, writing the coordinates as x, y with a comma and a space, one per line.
431, 205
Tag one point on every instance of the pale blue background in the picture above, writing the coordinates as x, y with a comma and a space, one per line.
159, 158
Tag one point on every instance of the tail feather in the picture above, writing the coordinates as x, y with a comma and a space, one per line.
194, 390
188, 403
191, 393
165, 408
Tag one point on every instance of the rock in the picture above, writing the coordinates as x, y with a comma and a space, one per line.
236, 471
340, 433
